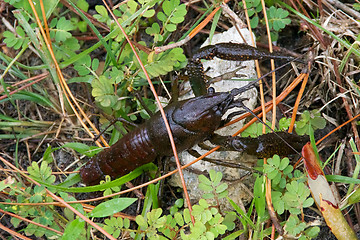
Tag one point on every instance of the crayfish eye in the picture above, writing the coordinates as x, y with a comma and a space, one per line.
211, 90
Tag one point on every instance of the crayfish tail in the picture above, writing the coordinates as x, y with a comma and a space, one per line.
91, 173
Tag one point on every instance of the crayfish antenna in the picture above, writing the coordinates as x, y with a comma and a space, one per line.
237, 91
232, 115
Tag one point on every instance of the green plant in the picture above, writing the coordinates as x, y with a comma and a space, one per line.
61, 29
42, 173
116, 225
307, 118
16, 40
47, 215
209, 223
44, 215
108, 68
213, 187
172, 14
278, 170
284, 123
289, 193
111, 190
356, 6
277, 17
312, 118
122, 77
256, 129
294, 227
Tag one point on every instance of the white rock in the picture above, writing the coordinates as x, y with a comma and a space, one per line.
237, 190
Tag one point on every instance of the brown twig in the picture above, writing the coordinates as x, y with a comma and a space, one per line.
36, 80
13, 232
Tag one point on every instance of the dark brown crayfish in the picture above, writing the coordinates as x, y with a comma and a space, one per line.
191, 121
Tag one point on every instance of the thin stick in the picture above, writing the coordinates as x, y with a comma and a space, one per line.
297, 102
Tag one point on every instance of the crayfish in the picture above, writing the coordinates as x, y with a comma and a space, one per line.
191, 121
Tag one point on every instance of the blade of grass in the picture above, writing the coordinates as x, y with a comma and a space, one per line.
342, 179
17, 136
214, 24
33, 97
16, 71
115, 183
357, 166
246, 219
349, 52
9, 67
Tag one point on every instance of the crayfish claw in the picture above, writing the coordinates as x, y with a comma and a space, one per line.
223, 141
